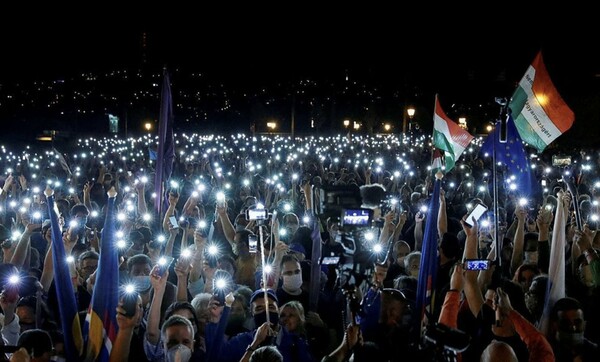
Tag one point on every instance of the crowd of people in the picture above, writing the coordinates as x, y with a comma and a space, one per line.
204, 279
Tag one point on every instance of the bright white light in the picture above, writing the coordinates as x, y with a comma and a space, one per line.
120, 234
220, 196
260, 206
282, 232
162, 261
523, 201
369, 236
186, 253
129, 288
594, 217
14, 279
146, 217
121, 216
512, 187
306, 219
144, 179
121, 244
94, 213
73, 223
70, 259
268, 269
213, 250
485, 223
287, 207
377, 248
161, 238
220, 283
423, 209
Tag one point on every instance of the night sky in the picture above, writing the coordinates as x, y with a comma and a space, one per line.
466, 59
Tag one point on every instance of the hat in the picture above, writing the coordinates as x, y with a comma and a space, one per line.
260, 293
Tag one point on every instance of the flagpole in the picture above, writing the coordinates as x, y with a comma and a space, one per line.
499, 122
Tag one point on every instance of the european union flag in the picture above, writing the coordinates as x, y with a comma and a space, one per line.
101, 319
67, 305
429, 260
165, 154
512, 154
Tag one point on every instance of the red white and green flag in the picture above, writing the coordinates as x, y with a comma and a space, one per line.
539, 112
448, 136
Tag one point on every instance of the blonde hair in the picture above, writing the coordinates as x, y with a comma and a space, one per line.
297, 306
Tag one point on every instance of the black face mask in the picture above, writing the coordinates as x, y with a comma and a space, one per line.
261, 318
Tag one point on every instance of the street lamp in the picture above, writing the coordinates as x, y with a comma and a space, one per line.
271, 126
462, 122
346, 123
387, 127
148, 126
411, 112
356, 125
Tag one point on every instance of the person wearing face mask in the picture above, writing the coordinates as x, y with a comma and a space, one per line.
291, 288
537, 345
138, 270
566, 335
400, 250
291, 346
535, 297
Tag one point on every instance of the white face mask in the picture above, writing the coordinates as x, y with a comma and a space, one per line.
142, 283
292, 282
179, 353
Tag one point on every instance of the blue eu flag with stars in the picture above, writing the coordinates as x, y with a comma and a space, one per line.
512, 154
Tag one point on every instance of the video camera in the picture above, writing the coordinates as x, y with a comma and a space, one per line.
445, 342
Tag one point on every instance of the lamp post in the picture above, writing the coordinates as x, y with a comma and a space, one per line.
271, 126
346, 123
148, 126
411, 112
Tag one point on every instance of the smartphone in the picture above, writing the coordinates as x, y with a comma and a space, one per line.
256, 214
330, 260
476, 264
130, 302
559, 161
163, 264
11, 291
173, 222
476, 213
252, 243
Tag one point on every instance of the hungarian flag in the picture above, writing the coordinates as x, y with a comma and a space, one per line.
437, 161
448, 136
540, 113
